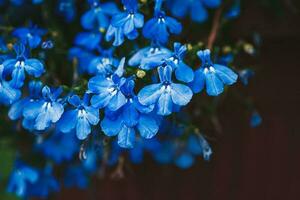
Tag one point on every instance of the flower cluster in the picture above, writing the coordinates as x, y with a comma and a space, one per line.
125, 95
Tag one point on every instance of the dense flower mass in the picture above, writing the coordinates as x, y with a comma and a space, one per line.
115, 92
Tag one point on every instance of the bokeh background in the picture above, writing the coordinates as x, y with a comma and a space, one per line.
261, 163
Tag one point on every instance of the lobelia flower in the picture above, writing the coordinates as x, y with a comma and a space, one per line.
82, 56
59, 147
245, 75
107, 89
103, 64
149, 57
45, 184
47, 110
212, 76
255, 119
130, 117
79, 119
195, 8
75, 176
20, 179
88, 40
182, 71
125, 23
160, 26
98, 15
67, 9
17, 67
16, 110
166, 94
8, 94
31, 36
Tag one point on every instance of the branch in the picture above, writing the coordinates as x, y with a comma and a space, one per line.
215, 28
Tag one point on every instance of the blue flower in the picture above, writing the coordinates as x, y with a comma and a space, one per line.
59, 147
212, 76
8, 94
160, 26
245, 75
46, 110
67, 9
234, 11
107, 90
103, 64
195, 8
83, 58
31, 36
88, 40
149, 57
17, 67
255, 119
165, 94
45, 184
125, 23
16, 110
98, 16
20, 179
81, 118
75, 177
130, 117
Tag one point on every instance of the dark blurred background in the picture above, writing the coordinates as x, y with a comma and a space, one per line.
261, 163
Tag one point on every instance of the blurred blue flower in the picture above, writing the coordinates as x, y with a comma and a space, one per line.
59, 147
97, 17
45, 184
255, 119
67, 9
31, 35
20, 179
197, 9
88, 40
160, 26
212, 76
245, 75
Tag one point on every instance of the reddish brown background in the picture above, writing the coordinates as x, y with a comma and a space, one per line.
254, 164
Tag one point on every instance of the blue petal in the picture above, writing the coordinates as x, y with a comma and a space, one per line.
184, 73
101, 100
117, 101
68, 121
184, 161
181, 94
99, 84
130, 115
138, 20
83, 128
199, 81
164, 104
8, 95
147, 126
180, 8
226, 74
32, 109
212, 3
88, 19
74, 100
88, 40
150, 94
92, 115
111, 127
198, 12
56, 111
214, 86
173, 25
18, 77
34, 67
126, 137
16, 110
